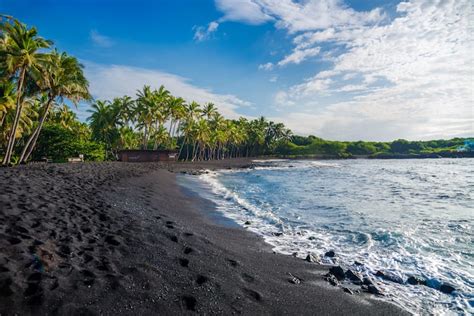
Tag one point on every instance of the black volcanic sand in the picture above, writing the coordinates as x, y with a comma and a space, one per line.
118, 238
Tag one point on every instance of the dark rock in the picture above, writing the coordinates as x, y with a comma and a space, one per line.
373, 289
338, 272
447, 288
357, 263
248, 223
277, 234
332, 279
348, 290
312, 258
294, 279
354, 276
330, 254
389, 277
414, 280
367, 281
311, 238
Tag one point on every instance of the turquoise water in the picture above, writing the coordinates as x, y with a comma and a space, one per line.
406, 217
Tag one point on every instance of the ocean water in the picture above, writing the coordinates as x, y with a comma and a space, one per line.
404, 217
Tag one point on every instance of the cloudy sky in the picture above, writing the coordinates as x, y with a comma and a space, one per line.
342, 70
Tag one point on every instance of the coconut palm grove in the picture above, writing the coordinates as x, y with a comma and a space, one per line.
40, 87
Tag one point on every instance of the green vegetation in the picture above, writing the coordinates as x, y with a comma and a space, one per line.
35, 123
317, 147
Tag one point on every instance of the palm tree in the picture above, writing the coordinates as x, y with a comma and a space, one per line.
209, 110
7, 99
103, 122
65, 117
193, 111
144, 112
19, 56
61, 77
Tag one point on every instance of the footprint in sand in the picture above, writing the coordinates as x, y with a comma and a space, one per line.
254, 295
201, 279
183, 262
187, 250
189, 302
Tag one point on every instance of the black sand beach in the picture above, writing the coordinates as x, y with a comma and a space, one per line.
124, 239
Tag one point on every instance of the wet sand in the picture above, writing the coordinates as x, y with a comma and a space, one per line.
126, 239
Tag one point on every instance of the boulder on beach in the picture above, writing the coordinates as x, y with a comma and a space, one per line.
330, 254
373, 289
338, 272
354, 276
311, 257
331, 279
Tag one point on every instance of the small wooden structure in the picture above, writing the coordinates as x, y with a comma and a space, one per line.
141, 155
76, 159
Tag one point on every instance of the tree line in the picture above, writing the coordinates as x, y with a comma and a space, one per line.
155, 119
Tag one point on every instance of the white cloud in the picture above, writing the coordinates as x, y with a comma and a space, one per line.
246, 11
267, 66
298, 55
296, 16
282, 99
110, 81
100, 39
413, 75
202, 33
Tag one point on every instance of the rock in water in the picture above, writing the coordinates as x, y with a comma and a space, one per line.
390, 277
330, 254
248, 223
338, 272
354, 276
447, 288
311, 257
414, 280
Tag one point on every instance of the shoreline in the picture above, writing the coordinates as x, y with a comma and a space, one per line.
108, 238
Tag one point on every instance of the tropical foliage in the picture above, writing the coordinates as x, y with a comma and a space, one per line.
156, 119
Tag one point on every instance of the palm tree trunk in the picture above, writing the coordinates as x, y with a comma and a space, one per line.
194, 151
31, 143
181, 148
19, 106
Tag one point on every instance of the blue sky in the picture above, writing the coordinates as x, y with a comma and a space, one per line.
347, 70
